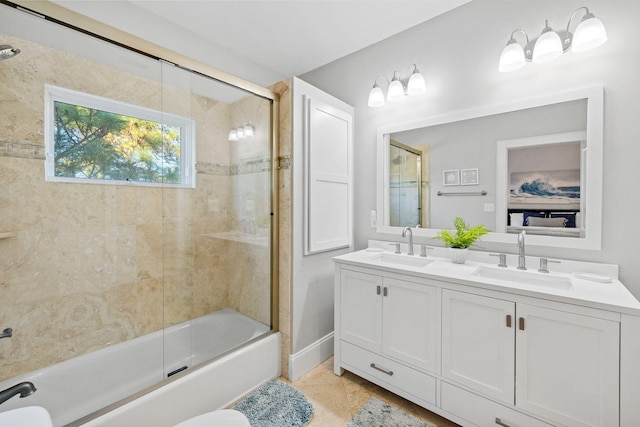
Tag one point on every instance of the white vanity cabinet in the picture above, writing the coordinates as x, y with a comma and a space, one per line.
481, 356
556, 364
478, 343
388, 330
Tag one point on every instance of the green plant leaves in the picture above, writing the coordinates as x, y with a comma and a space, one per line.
464, 235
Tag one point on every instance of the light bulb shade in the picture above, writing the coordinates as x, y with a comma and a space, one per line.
512, 57
248, 131
548, 46
589, 34
376, 96
396, 90
240, 132
233, 135
416, 84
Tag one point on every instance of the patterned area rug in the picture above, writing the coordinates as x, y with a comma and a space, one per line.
276, 404
376, 413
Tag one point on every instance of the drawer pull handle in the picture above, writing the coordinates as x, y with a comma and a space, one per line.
378, 290
521, 324
386, 371
508, 320
500, 423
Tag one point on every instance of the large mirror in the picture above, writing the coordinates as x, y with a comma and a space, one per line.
526, 165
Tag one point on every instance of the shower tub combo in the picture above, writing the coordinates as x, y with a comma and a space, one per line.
120, 373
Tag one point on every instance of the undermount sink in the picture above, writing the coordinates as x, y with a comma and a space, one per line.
29, 416
549, 280
403, 260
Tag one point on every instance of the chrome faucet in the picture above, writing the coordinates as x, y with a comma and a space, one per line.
522, 262
23, 389
404, 234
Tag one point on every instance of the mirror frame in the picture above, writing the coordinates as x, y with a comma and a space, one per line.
594, 162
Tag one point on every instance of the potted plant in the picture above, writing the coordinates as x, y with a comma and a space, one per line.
463, 237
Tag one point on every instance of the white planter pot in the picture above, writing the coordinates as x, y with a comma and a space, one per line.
458, 256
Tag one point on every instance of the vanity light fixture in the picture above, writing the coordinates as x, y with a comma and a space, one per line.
241, 133
589, 34
396, 89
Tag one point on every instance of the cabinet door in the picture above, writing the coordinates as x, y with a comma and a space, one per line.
361, 309
409, 323
478, 342
567, 366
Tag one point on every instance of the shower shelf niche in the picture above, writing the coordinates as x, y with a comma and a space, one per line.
239, 236
7, 235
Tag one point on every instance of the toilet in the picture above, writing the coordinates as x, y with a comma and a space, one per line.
221, 418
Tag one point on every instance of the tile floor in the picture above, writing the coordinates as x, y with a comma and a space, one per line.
337, 400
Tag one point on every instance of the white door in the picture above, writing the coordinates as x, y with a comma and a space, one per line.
409, 323
361, 309
478, 342
567, 366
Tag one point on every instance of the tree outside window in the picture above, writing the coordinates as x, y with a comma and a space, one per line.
91, 143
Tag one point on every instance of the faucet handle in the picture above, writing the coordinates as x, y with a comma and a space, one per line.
543, 264
423, 250
397, 245
503, 260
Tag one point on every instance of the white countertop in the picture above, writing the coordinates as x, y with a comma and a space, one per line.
607, 296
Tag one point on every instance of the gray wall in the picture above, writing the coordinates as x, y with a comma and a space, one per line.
312, 275
458, 54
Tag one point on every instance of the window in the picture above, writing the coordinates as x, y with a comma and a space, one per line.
99, 140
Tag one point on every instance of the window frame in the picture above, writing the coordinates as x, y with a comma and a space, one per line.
187, 132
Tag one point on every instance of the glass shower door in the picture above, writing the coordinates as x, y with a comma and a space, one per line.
404, 186
216, 249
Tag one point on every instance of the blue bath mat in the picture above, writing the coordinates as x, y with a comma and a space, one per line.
376, 413
276, 404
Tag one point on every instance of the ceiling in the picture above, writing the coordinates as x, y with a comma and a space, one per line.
263, 41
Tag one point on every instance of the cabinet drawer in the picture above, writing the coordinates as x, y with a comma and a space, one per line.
396, 374
483, 412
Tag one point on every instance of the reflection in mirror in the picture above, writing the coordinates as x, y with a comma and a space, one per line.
466, 145
545, 178
405, 185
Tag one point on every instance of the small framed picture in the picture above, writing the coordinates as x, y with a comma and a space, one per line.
469, 176
451, 177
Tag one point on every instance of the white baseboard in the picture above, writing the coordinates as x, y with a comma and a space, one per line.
310, 357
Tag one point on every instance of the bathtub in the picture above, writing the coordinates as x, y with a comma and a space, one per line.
77, 387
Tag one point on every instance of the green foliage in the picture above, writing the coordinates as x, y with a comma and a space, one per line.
97, 144
464, 236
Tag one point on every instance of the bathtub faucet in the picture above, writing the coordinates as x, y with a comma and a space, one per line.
23, 389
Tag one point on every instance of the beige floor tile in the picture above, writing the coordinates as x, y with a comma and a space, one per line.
336, 400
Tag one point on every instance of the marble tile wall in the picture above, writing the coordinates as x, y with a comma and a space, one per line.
285, 222
92, 265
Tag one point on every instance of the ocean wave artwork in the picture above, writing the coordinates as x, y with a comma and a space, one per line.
557, 187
